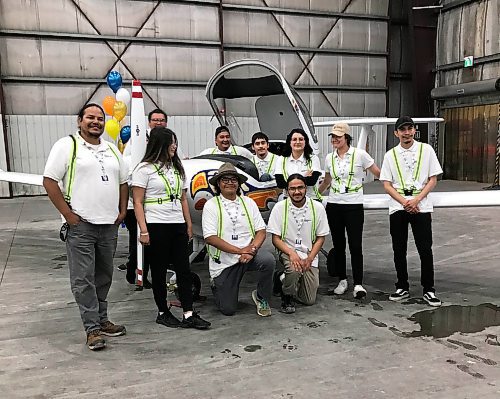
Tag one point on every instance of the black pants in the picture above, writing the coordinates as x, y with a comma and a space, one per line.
348, 218
169, 248
422, 233
131, 224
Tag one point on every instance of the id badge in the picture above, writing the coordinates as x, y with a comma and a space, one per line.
234, 237
342, 188
105, 179
298, 243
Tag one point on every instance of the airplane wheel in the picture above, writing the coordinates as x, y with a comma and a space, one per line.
330, 264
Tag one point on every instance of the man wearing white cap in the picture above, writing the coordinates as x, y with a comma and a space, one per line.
345, 170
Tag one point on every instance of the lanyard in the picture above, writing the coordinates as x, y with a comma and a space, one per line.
339, 177
416, 170
261, 161
284, 227
171, 195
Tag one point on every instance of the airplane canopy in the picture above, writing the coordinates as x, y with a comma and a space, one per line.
246, 87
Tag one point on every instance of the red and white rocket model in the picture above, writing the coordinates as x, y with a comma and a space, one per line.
138, 141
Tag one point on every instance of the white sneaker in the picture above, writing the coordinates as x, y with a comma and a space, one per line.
359, 292
341, 288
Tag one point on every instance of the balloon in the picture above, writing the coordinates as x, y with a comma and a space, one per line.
114, 80
119, 110
112, 127
121, 146
108, 104
125, 134
123, 95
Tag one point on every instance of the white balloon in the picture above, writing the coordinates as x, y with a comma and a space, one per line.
123, 95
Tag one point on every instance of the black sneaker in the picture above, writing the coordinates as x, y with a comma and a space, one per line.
399, 295
287, 304
431, 299
195, 321
168, 319
277, 284
147, 284
122, 267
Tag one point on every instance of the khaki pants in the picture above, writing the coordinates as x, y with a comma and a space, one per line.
302, 286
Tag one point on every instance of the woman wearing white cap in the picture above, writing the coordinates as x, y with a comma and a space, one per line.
345, 169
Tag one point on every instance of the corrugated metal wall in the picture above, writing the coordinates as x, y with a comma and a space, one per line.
470, 142
4, 187
32, 136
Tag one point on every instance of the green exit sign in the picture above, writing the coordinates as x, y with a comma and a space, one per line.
468, 61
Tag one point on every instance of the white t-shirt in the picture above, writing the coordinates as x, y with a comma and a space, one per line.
147, 177
288, 166
268, 164
232, 150
235, 227
98, 173
408, 160
362, 161
299, 225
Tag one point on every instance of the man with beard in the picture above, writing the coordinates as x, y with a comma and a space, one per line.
93, 201
223, 145
299, 226
409, 173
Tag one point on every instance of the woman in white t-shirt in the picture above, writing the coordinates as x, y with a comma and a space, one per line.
298, 158
345, 170
159, 192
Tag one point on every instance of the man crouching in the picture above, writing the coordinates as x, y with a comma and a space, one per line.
299, 226
234, 231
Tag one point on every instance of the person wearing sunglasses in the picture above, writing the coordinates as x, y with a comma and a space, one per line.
234, 232
345, 171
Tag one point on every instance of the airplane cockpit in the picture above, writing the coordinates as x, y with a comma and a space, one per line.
252, 88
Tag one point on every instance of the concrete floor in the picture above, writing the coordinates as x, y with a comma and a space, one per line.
337, 348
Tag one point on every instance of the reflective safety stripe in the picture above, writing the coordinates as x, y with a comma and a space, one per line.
232, 148
72, 168
216, 255
171, 195
284, 226
268, 171
318, 195
416, 172
350, 189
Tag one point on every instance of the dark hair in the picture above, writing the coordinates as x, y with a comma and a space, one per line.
160, 138
348, 139
259, 135
287, 151
294, 176
89, 105
157, 111
217, 188
221, 129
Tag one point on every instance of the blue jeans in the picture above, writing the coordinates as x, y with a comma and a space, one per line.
90, 249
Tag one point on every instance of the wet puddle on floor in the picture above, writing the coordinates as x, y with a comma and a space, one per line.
447, 320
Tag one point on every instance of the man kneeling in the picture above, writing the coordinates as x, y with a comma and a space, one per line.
299, 226
234, 232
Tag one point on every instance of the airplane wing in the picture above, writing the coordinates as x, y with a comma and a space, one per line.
450, 199
24, 178
375, 121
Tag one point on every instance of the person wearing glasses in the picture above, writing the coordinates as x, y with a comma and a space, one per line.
93, 200
298, 157
223, 145
234, 231
159, 191
298, 226
345, 170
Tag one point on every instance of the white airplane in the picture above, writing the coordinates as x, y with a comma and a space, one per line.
278, 109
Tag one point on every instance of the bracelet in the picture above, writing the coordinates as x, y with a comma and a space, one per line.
145, 234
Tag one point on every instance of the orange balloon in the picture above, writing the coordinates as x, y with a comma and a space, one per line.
108, 103
119, 110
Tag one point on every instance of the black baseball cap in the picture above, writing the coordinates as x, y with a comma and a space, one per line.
402, 121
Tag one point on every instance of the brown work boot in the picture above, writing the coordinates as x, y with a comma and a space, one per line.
95, 341
112, 330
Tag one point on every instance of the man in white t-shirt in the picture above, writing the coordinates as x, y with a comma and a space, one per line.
409, 173
223, 145
299, 226
234, 231
93, 201
264, 160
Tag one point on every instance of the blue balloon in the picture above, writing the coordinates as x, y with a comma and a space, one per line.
125, 133
114, 80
